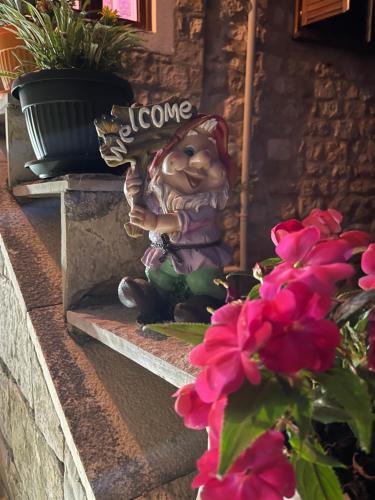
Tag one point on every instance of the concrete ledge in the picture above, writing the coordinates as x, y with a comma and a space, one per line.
71, 182
116, 418
115, 326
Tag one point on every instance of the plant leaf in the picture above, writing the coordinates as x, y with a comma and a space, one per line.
270, 262
250, 412
302, 411
316, 482
254, 292
351, 392
369, 377
328, 413
354, 304
192, 333
311, 451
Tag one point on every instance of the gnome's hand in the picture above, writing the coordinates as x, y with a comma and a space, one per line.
164, 223
144, 218
133, 184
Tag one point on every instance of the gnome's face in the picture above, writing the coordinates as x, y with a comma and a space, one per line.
194, 165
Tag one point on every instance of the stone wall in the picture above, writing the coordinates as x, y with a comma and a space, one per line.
314, 111
313, 133
35, 463
155, 76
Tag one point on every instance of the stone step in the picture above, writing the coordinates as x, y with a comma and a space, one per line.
107, 424
116, 327
89, 215
71, 182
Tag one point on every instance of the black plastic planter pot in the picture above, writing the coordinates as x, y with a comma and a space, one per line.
60, 107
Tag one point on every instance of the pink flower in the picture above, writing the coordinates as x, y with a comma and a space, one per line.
368, 267
301, 338
371, 341
327, 221
356, 238
189, 406
301, 248
261, 472
329, 224
284, 228
226, 350
317, 263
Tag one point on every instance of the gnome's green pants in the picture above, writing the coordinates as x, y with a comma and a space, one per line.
200, 282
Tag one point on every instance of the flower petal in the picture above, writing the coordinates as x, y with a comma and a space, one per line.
294, 247
368, 260
327, 221
367, 282
189, 406
251, 370
280, 230
356, 238
330, 252
226, 314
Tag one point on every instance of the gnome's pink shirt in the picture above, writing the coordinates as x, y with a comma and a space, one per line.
196, 227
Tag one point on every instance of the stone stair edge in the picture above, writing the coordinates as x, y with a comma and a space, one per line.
45, 306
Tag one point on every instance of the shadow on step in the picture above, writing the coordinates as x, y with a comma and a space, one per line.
145, 405
44, 216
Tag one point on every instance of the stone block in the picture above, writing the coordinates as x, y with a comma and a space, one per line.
324, 89
13, 481
96, 248
354, 108
73, 489
336, 152
15, 346
45, 414
352, 92
5, 428
175, 77
329, 109
195, 28
230, 8
49, 480
315, 151
38, 467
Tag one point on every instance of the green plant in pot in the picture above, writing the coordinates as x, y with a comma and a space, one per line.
75, 83
11, 53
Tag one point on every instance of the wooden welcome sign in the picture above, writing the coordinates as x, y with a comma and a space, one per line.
130, 133
134, 134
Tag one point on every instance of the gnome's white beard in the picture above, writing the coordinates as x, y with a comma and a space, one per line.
171, 200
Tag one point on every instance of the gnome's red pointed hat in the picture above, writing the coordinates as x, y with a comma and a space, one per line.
219, 132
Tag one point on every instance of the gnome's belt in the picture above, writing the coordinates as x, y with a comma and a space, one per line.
172, 249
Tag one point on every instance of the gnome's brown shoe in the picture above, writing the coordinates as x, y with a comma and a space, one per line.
194, 310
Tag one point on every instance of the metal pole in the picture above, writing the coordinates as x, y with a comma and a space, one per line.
246, 141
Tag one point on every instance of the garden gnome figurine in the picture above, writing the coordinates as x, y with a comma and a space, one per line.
187, 187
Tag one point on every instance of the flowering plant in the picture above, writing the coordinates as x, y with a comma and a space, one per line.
287, 380
59, 37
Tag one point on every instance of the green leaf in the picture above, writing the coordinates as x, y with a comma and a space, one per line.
311, 451
316, 482
254, 292
302, 411
250, 412
328, 413
271, 262
192, 333
369, 377
350, 391
362, 323
354, 304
